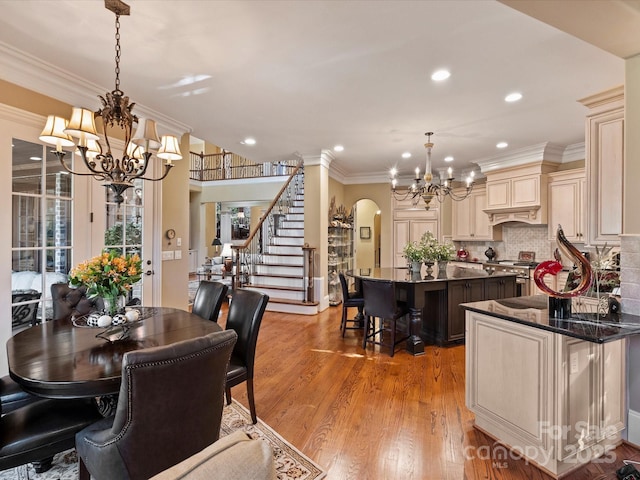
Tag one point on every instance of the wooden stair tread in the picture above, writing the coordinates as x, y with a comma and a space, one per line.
277, 275
283, 254
292, 302
274, 287
276, 264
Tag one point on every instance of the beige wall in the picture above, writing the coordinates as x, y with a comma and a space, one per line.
336, 190
380, 194
365, 248
175, 215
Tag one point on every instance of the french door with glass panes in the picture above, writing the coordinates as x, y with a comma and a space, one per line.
41, 230
127, 228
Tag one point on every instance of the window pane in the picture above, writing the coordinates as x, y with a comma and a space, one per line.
26, 221
59, 261
58, 223
133, 228
27, 166
25, 260
114, 233
58, 179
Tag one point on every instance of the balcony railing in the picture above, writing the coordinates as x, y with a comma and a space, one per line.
231, 166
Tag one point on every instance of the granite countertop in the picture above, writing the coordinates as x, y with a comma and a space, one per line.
534, 311
404, 275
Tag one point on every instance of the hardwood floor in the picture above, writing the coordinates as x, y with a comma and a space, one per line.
365, 415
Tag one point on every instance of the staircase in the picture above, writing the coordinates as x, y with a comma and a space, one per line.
277, 268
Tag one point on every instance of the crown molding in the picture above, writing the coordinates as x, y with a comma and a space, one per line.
543, 151
30, 72
574, 152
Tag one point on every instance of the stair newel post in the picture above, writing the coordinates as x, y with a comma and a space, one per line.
309, 272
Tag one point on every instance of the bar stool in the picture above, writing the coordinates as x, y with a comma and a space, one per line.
380, 303
351, 299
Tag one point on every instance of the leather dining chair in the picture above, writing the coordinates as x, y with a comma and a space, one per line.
244, 316
35, 432
350, 299
69, 301
208, 299
169, 408
380, 303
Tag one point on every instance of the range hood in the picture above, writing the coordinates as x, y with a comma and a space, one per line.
518, 193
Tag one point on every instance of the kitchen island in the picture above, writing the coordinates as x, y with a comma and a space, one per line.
434, 302
550, 389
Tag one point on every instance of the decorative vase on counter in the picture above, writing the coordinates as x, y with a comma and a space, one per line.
429, 265
415, 267
442, 268
490, 253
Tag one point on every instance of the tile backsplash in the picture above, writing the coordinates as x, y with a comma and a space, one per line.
516, 237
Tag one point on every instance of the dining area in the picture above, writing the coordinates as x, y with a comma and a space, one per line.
118, 392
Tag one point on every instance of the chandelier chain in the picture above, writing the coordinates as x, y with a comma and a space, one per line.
118, 52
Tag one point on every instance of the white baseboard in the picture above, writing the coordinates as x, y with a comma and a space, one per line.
633, 432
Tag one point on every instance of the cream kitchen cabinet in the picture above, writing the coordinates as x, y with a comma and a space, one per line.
405, 231
567, 204
604, 143
519, 193
410, 222
557, 399
469, 219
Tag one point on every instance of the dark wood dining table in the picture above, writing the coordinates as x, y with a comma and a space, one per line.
58, 359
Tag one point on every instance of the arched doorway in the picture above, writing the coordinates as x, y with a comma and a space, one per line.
367, 234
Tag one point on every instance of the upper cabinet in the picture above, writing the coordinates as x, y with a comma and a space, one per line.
567, 204
519, 194
604, 150
469, 220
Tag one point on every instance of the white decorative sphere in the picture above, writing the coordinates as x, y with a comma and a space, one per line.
132, 315
104, 321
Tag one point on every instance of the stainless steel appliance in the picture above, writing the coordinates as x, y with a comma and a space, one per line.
522, 269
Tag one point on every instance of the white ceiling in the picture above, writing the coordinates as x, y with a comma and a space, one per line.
302, 76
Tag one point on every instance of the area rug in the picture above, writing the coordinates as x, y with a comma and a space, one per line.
291, 464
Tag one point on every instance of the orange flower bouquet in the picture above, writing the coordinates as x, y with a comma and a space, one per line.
108, 275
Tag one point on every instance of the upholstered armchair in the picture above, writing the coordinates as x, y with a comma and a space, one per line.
169, 408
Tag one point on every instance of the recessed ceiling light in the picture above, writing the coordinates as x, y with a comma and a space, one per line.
513, 97
338, 148
448, 159
249, 141
37, 159
502, 145
440, 75
406, 155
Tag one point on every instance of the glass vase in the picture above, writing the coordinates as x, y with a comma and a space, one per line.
442, 268
113, 305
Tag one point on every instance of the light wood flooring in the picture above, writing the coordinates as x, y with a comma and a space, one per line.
364, 415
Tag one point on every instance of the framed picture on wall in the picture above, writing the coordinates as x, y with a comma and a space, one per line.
365, 233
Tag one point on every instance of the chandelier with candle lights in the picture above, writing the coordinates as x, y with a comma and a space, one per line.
425, 189
118, 174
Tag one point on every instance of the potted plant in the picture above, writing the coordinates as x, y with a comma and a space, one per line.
414, 253
436, 252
